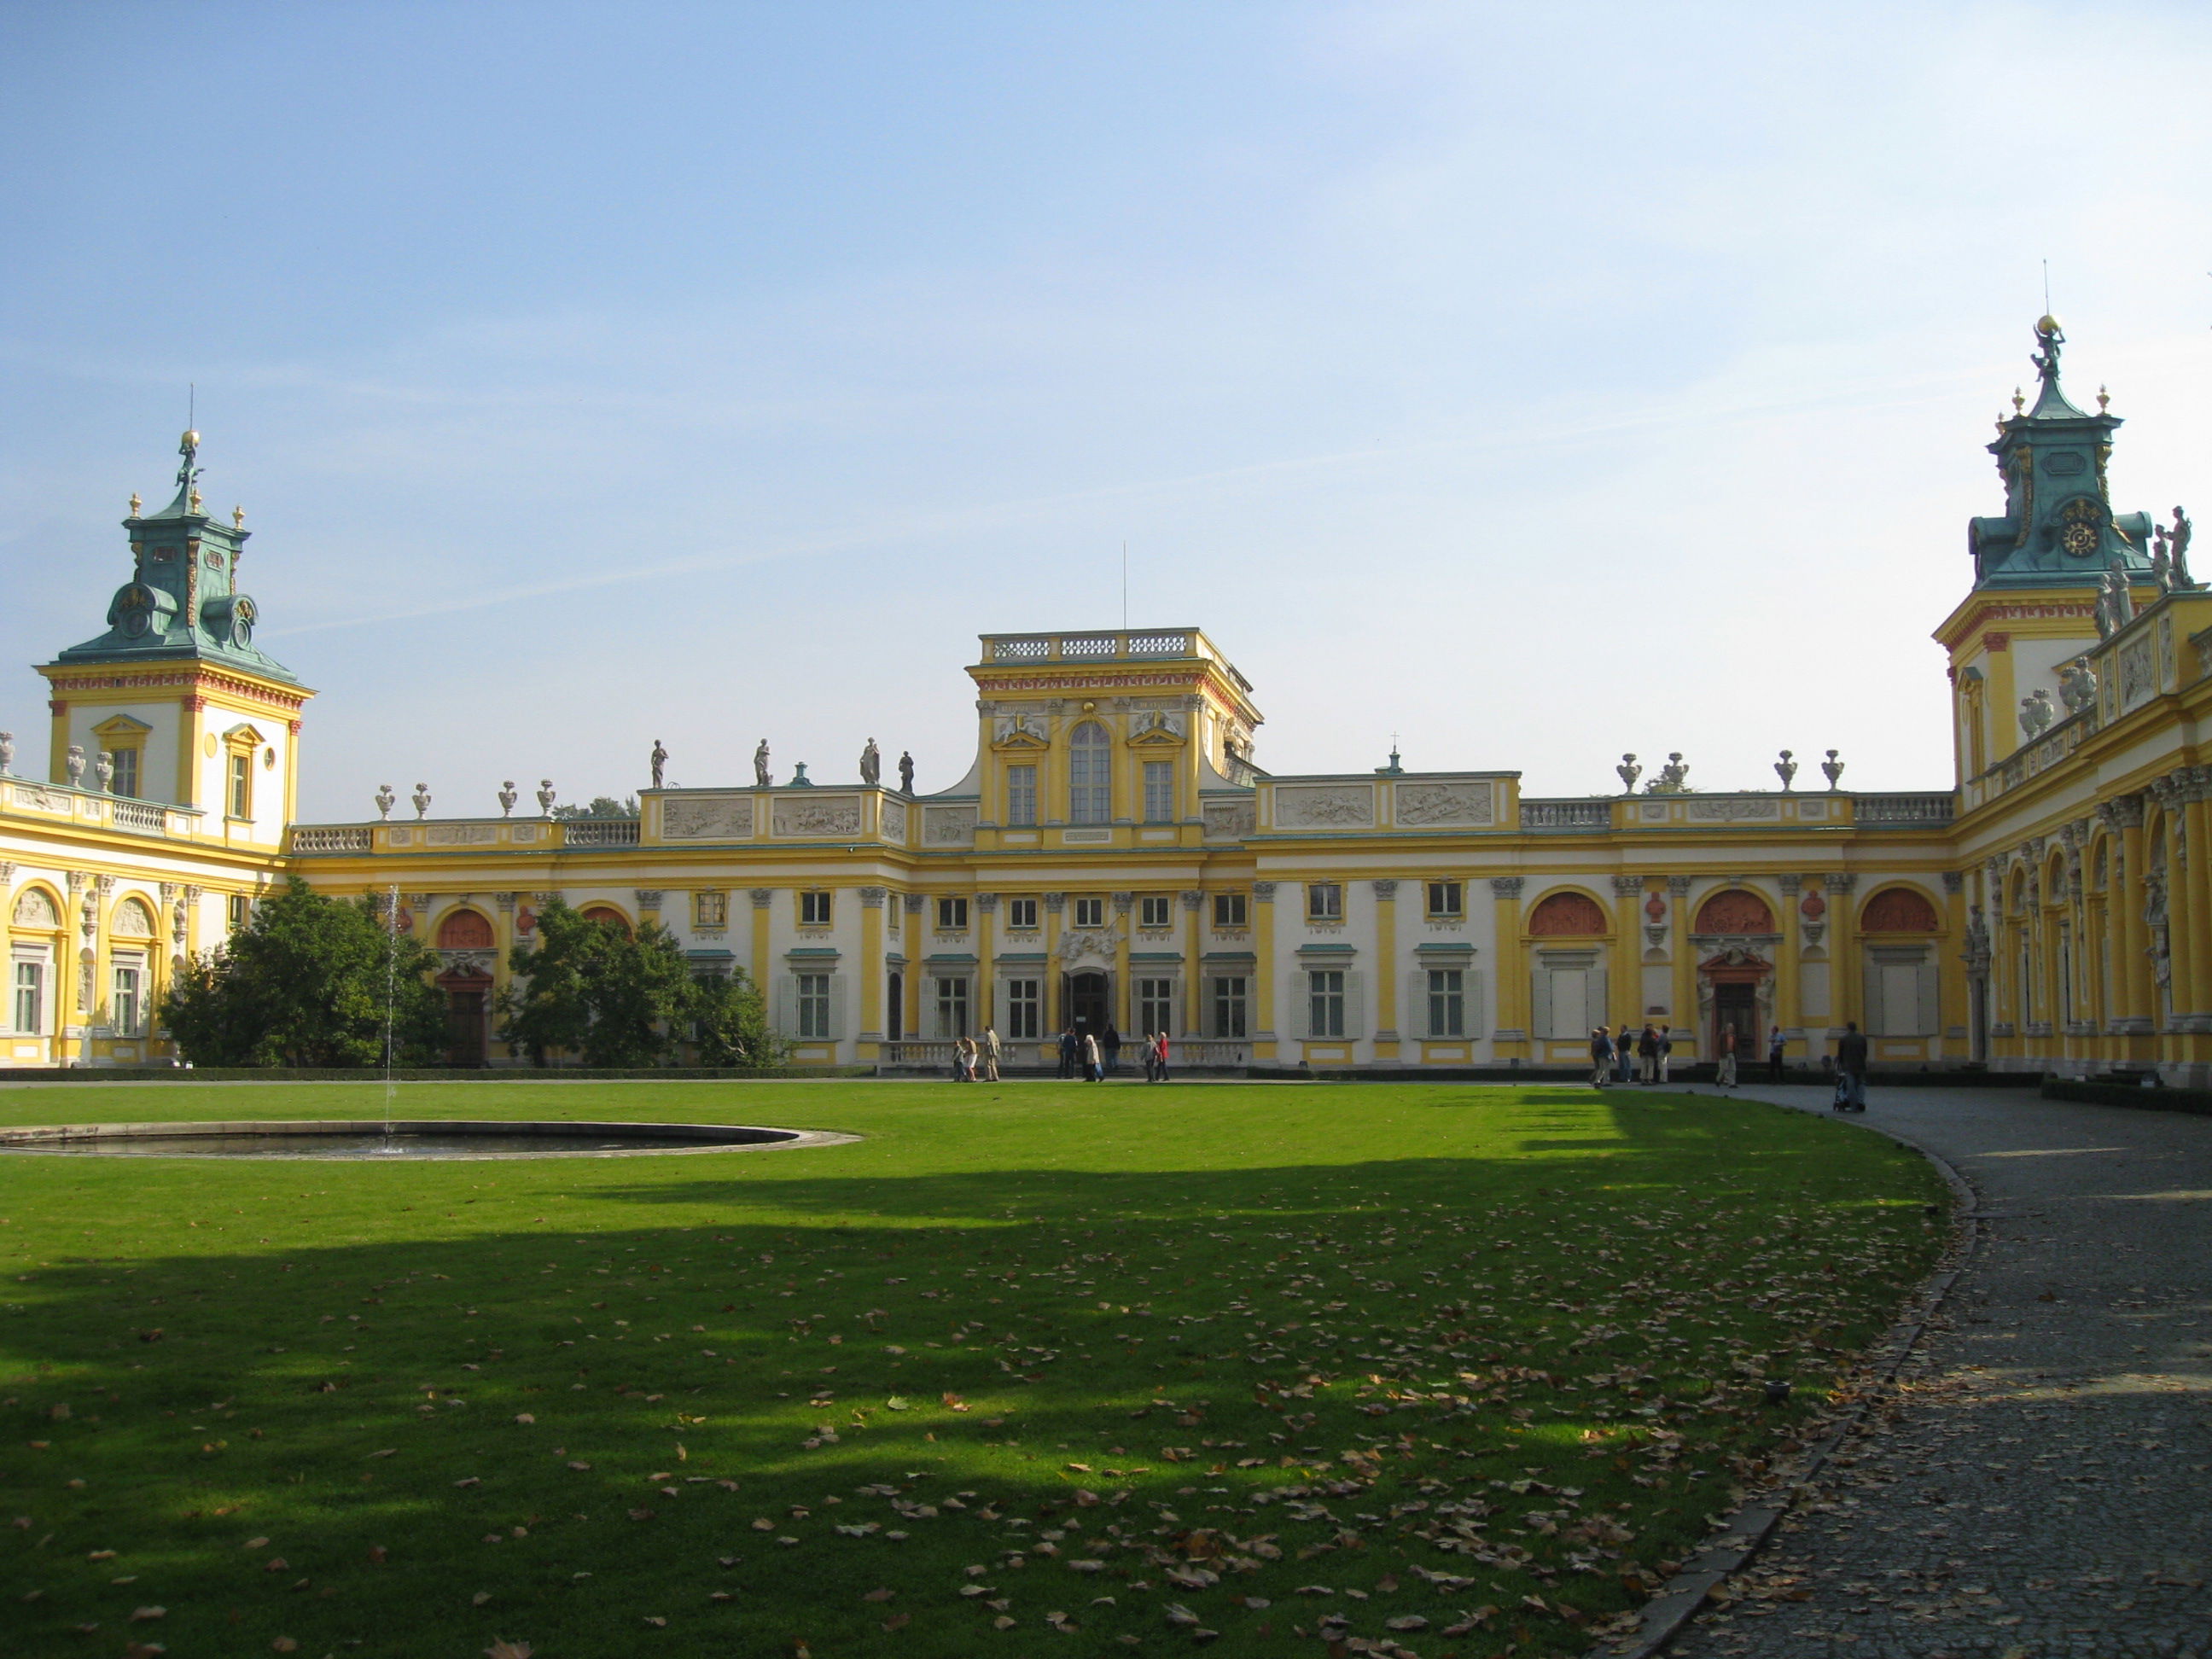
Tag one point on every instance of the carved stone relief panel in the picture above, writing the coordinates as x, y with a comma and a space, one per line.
1228, 820
837, 815
1422, 804
706, 818
460, 834
1723, 809
895, 820
948, 826
1324, 806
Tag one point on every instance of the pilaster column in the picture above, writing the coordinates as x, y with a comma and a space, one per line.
1056, 983
762, 972
872, 972
987, 948
1845, 993
1788, 997
1120, 1007
2129, 893
1386, 969
1194, 988
910, 947
1682, 1016
1628, 997
2190, 919
1511, 1038
1262, 1012
1952, 995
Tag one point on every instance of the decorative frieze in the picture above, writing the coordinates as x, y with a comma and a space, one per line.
761, 895
1507, 887
872, 898
1386, 892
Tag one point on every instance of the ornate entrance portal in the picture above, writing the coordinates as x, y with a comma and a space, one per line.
1088, 1002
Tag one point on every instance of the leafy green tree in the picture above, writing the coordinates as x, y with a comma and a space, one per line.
593, 989
729, 1022
304, 983
600, 807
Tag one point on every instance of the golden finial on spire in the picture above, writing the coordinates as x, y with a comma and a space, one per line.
196, 498
238, 517
2019, 401
2103, 399
135, 503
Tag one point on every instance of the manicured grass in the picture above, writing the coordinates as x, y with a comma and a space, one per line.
1243, 1358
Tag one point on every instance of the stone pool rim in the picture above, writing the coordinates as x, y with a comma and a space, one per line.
682, 1137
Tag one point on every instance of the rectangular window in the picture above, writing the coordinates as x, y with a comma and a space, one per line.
125, 781
1229, 1008
1021, 913
1021, 794
1325, 1002
952, 1008
1091, 913
124, 1011
1153, 910
710, 910
1229, 910
30, 996
1324, 901
241, 783
241, 911
1447, 901
1024, 1007
1446, 1002
1090, 787
814, 909
1159, 792
1155, 1006
814, 1005
952, 915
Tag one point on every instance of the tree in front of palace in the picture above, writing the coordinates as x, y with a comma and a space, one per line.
619, 999
305, 982
729, 1022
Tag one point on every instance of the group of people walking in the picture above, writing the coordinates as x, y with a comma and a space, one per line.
1631, 1057
1087, 1054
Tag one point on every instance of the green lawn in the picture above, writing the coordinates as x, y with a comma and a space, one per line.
1032, 1369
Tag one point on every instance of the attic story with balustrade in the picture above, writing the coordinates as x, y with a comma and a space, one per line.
1116, 856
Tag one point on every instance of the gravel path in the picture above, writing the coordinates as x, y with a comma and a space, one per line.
2040, 1480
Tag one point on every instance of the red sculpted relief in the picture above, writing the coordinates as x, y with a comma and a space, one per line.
1735, 912
1899, 910
1568, 914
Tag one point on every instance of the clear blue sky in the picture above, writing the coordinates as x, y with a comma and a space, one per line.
1536, 382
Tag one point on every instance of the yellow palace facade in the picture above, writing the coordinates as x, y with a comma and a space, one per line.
1115, 856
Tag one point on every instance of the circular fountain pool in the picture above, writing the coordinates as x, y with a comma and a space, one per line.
372, 1139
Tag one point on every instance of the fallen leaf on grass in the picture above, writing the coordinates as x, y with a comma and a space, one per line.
148, 1613
879, 1595
480, 1598
524, 1416
898, 1621
507, 1651
257, 1543
378, 1555
285, 1645
657, 1622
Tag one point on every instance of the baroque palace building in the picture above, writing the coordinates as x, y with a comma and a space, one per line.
1115, 856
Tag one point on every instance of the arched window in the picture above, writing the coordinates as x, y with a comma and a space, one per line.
1573, 915
1089, 791
464, 930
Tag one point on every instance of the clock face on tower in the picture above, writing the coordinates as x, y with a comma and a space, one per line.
2081, 527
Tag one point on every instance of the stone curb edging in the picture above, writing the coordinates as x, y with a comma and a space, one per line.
1748, 1530
681, 1138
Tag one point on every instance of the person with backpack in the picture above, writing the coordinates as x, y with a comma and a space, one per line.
1600, 1058
1647, 1053
1851, 1069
